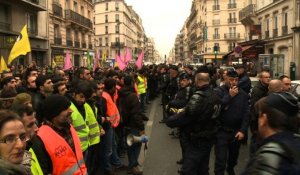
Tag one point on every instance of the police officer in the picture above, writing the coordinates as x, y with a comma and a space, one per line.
233, 124
199, 117
278, 152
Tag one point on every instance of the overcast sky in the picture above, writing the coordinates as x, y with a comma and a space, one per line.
162, 20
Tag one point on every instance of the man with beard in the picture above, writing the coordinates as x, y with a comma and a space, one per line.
83, 117
58, 146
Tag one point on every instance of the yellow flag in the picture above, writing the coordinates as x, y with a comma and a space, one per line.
53, 63
21, 46
3, 65
104, 56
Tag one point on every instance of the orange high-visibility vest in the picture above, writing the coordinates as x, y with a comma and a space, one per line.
64, 160
112, 110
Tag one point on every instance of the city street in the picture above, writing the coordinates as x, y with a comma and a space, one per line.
163, 150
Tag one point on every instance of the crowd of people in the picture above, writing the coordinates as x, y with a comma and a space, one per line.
55, 121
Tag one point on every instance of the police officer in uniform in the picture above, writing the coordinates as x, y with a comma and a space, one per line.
199, 117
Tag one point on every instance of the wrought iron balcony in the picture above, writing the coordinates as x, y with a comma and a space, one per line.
267, 34
216, 21
69, 42
232, 20
83, 44
216, 36
284, 30
232, 36
77, 18
57, 40
216, 7
231, 5
77, 44
4, 26
275, 33
57, 10
117, 44
247, 11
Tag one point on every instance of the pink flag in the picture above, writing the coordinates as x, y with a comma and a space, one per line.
128, 55
68, 63
121, 64
139, 61
96, 60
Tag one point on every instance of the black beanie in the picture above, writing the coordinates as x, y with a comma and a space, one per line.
54, 105
284, 102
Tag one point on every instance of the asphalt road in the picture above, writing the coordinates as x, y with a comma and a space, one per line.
163, 150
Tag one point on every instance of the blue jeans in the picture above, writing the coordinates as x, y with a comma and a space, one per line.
109, 149
133, 151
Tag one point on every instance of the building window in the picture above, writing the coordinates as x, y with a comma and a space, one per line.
89, 14
82, 10
117, 29
100, 42
106, 6
117, 39
106, 29
76, 36
106, 41
117, 18
56, 31
117, 6
4, 17
106, 18
32, 23
285, 19
75, 6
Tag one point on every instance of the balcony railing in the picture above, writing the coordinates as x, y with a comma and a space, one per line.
216, 36
232, 20
275, 33
77, 44
90, 46
267, 34
41, 3
231, 5
216, 21
75, 17
231, 35
57, 10
284, 30
57, 40
83, 44
32, 31
117, 44
247, 11
4, 26
69, 42
216, 7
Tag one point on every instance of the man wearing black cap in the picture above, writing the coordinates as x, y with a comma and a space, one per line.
57, 146
233, 124
278, 151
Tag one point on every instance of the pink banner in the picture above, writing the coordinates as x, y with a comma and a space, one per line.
68, 64
121, 64
139, 61
128, 55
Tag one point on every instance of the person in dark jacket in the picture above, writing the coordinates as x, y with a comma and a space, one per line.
130, 110
244, 80
278, 152
234, 119
199, 116
259, 91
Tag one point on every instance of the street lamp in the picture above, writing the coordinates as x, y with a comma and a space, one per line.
216, 50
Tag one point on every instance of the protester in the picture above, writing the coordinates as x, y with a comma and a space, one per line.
287, 84
64, 155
